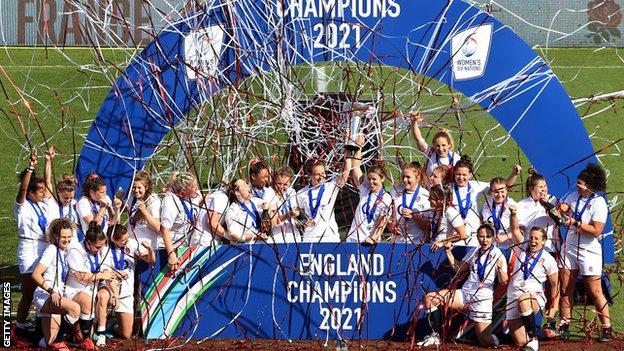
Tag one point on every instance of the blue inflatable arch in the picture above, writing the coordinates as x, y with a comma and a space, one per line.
450, 41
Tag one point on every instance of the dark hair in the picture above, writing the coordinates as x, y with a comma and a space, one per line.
487, 227
532, 180
378, 169
92, 183
34, 182
595, 177
232, 188
65, 186
54, 230
315, 163
94, 233
464, 161
541, 230
116, 232
441, 192
256, 166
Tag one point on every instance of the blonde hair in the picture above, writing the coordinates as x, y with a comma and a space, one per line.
443, 133
181, 180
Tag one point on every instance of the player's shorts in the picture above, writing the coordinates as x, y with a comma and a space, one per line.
478, 304
71, 292
40, 297
28, 255
125, 305
512, 302
587, 261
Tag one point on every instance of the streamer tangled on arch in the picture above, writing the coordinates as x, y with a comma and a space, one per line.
293, 114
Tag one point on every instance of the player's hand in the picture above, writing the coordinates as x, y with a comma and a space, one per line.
516, 170
448, 246
406, 212
437, 245
50, 153
173, 261
33, 160
513, 209
106, 275
56, 299
114, 301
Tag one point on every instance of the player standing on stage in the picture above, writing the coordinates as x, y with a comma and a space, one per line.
244, 216
496, 211
144, 212
61, 204
95, 205
259, 178
442, 223
440, 153
410, 198
318, 199
31, 214
585, 211
477, 294
282, 200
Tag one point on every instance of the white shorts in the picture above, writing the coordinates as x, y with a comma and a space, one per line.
71, 292
125, 305
512, 303
39, 299
28, 255
479, 305
588, 261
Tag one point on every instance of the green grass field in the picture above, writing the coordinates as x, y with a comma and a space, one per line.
64, 89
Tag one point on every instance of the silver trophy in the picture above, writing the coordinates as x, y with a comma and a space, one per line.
357, 111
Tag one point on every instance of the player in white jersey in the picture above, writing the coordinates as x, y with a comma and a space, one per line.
585, 211
213, 221
180, 215
440, 153
283, 207
120, 258
409, 198
442, 223
31, 214
496, 211
374, 209
144, 212
61, 203
85, 274
245, 216
533, 211
96, 205
467, 193
50, 275
318, 199
259, 178
530, 267
483, 265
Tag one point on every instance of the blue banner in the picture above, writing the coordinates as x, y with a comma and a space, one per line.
307, 291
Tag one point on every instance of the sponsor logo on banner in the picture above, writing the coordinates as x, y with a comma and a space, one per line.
202, 49
470, 50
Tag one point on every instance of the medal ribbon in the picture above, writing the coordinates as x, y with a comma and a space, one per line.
42, 221
481, 266
463, 210
404, 199
119, 261
526, 268
497, 218
315, 207
368, 211
577, 214
253, 213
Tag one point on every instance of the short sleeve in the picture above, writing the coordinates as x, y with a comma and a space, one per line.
76, 260
49, 256
454, 217
154, 206
83, 208
168, 212
600, 210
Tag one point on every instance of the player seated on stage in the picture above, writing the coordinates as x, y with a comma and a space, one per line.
482, 264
